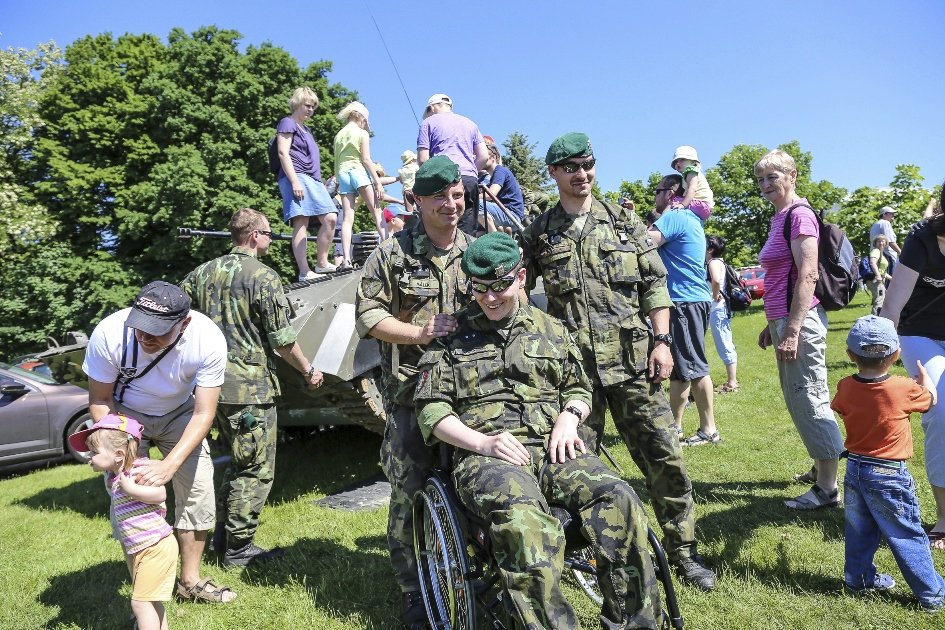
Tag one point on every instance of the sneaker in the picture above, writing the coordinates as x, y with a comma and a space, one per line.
250, 554
881, 583
701, 437
326, 269
307, 276
415, 612
694, 571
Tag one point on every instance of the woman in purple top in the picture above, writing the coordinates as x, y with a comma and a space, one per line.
300, 182
797, 326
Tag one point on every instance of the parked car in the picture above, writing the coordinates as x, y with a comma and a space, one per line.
37, 414
754, 278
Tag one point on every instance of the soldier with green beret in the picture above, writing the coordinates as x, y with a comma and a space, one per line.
411, 286
604, 278
246, 300
508, 389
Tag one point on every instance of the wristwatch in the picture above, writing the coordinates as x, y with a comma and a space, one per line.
575, 411
310, 371
664, 337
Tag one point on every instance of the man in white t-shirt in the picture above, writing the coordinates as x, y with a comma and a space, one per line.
163, 364
884, 226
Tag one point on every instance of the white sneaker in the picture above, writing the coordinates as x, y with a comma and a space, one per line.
326, 269
311, 275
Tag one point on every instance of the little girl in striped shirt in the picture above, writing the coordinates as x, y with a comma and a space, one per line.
137, 515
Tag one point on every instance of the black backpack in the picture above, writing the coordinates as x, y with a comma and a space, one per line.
736, 295
273, 152
837, 264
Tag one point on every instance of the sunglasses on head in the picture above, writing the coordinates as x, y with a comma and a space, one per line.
497, 286
572, 167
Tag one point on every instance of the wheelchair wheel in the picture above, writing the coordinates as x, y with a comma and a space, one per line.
583, 570
443, 565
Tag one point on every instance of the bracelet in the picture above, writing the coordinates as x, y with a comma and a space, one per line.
575, 411
311, 370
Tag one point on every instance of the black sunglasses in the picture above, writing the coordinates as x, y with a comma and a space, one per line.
497, 286
572, 167
266, 232
659, 190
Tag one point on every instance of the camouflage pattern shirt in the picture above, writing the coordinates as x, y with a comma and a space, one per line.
246, 300
407, 277
513, 375
601, 278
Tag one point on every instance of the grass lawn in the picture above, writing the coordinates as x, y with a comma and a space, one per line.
778, 568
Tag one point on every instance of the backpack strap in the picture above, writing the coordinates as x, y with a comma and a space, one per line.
128, 373
787, 237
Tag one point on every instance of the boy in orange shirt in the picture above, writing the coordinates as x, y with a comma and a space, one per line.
879, 492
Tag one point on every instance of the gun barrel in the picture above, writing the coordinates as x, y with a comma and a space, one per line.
186, 232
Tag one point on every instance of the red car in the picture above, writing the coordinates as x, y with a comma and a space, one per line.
754, 278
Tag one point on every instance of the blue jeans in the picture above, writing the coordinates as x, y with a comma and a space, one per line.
880, 504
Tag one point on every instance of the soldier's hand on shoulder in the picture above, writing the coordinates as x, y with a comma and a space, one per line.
440, 325
565, 443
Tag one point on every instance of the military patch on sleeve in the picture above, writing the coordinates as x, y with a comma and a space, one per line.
370, 287
425, 385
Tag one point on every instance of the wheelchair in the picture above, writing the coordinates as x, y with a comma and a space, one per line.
458, 578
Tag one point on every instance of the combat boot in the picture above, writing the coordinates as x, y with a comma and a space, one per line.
415, 613
249, 554
694, 571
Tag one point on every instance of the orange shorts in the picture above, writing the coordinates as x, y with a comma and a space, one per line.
153, 571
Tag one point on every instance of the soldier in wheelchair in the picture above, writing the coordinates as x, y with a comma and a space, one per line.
508, 391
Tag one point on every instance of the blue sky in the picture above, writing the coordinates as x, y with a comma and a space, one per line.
859, 84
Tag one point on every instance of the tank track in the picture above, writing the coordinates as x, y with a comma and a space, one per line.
362, 402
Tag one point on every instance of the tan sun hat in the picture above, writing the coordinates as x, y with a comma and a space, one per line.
684, 152
408, 156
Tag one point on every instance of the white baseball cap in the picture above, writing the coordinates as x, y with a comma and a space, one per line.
439, 98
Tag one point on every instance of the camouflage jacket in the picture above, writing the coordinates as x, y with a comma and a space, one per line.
246, 300
510, 376
406, 279
601, 280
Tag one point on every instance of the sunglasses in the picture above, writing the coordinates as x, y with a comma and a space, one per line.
572, 167
496, 286
266, 232
659, 190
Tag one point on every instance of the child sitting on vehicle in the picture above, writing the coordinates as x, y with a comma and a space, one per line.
137, 515
879, 492
698, 197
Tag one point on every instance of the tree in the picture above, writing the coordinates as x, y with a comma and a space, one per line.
741, 215
141, 137
528, 168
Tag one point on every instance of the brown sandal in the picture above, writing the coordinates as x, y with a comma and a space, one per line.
807, 477
205, 590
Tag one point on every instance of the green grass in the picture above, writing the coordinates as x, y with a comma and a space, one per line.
778, 569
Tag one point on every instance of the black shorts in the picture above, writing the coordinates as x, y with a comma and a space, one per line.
688, 322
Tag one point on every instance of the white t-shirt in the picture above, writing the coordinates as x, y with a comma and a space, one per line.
198, 359
885, 228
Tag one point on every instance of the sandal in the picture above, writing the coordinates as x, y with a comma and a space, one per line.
725, 388
701, 437
936, 537
807, 477
205, 590
821, 500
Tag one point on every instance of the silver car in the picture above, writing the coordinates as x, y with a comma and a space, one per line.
37, 414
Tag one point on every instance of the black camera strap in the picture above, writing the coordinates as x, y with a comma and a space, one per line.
128, 373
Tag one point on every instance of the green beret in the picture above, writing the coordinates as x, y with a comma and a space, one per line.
434, 175
491, 256
574, 144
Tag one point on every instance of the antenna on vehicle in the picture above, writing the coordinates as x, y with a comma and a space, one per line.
389, 56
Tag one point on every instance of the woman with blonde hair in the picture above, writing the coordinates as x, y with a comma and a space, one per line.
880, 266
355, 171
797, 326
300, 182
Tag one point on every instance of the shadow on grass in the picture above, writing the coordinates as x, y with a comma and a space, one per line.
89, 598
336, 578
87, 497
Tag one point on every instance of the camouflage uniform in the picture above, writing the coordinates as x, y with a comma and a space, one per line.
601, 280
246, 300
408, 278
515, 376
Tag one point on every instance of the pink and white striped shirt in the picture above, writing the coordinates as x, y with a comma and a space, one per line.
139, 525
778, 262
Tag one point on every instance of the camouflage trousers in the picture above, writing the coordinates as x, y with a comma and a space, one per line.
247, 478
406, 461
528, 541
646, 424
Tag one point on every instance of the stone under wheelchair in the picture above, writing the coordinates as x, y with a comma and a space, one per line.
458, 578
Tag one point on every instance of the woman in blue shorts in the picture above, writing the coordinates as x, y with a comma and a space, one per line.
356, 172
300, 182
